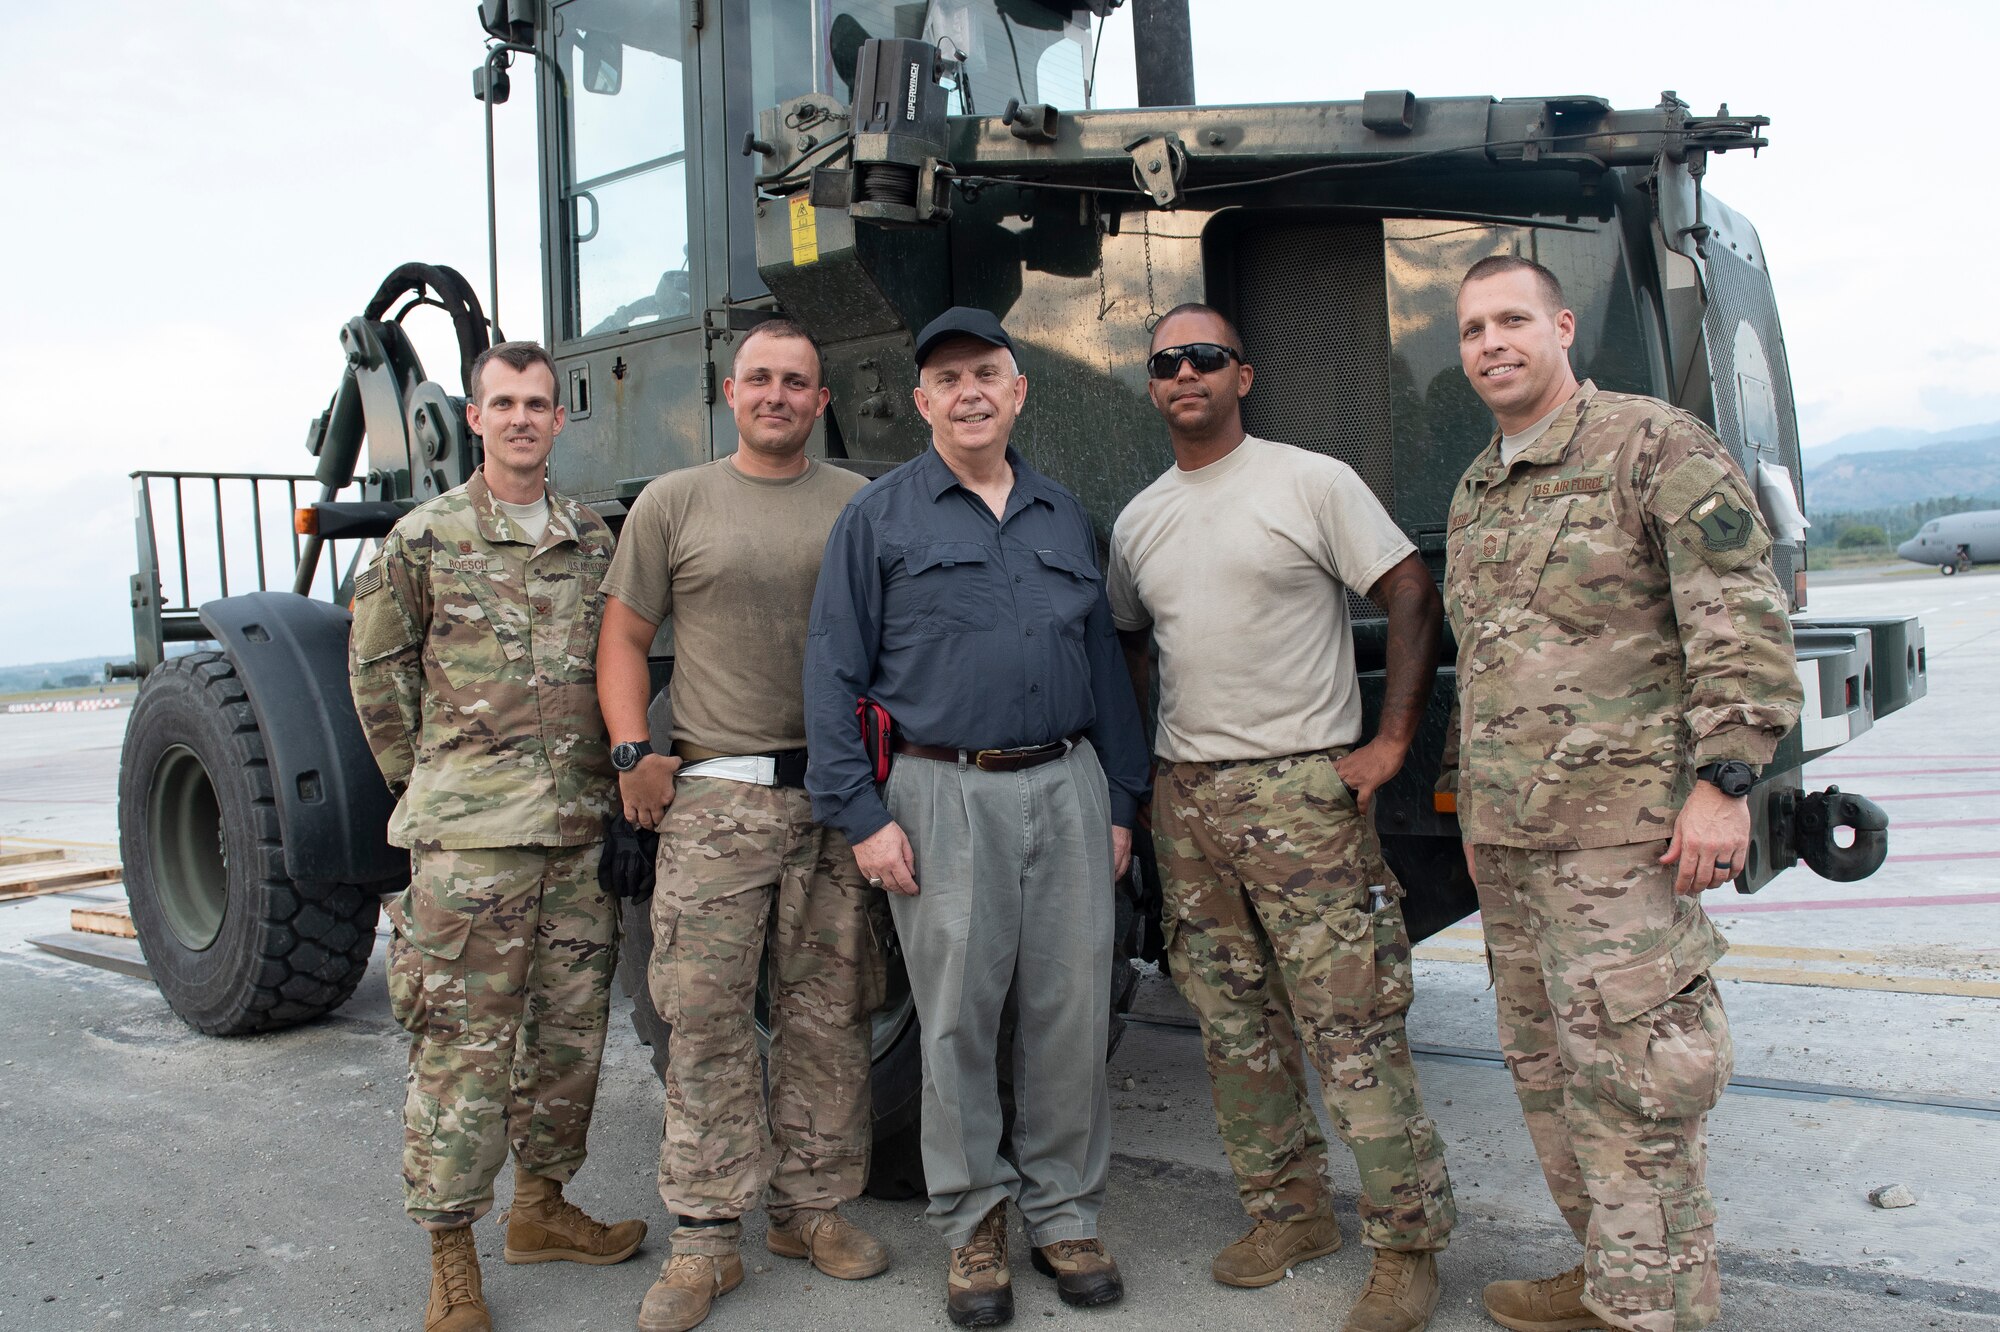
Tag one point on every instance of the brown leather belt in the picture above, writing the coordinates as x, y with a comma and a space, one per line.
993, 760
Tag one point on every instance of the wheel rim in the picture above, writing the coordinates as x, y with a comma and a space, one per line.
885, 1025
189, 860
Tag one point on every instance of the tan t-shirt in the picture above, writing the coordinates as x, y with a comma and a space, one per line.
1239, 568
733, 559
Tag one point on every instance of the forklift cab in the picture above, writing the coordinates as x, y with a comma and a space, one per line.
651, 196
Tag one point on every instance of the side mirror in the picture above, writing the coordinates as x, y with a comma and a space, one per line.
508, 20
603, 62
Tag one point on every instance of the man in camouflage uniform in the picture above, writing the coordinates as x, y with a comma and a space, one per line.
475, 635
1279, 907
731, 551
1624, 658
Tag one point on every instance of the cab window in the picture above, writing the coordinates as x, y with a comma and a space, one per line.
626, 166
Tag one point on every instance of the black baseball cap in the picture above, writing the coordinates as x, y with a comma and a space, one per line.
961, 321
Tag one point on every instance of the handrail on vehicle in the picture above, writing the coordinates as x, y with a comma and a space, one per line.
214, 565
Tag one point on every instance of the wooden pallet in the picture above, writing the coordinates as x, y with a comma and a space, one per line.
114, 921
28, 855
55, 876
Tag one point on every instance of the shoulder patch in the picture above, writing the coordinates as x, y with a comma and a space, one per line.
1723, 526
1694, 477
368, 580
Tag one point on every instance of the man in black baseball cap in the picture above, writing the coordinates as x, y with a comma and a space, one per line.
961, 593
961, 321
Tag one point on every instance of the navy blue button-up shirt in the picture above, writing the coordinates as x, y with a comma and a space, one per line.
974, 633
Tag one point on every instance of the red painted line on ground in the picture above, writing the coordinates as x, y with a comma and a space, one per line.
1906, 772
1859, 903
1907, 758
1900, 826
1931, 795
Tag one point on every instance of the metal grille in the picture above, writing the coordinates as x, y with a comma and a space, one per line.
1739, 293
1311, 300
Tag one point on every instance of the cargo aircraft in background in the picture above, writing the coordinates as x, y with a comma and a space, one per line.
1956, 541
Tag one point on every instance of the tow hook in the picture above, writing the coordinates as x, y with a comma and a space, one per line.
1815, 817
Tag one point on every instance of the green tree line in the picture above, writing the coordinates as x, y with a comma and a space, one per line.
1857, 528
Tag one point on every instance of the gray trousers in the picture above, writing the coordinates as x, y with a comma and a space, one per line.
1015, 894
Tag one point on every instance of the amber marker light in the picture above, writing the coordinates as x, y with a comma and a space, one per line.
305, 521
1444, 802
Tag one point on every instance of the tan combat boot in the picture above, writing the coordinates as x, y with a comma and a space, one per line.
456, 1303
1401, 1293
1085, 1274
543, 1227
689, 1283
835, 1245
978, 1289
1553, 1304
1270, 1247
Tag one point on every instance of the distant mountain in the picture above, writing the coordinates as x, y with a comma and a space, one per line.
1886, 439
1904, 476
34, 675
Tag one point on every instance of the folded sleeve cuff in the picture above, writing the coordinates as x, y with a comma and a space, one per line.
1748, 744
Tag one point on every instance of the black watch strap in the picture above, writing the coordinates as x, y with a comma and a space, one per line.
626, 757
1733, 777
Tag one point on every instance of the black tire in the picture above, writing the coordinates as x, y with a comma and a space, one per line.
896, 1168
234, 945
1947, 569
896, 1165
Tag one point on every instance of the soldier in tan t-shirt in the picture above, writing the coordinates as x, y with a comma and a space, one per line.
1236, 562
731, 550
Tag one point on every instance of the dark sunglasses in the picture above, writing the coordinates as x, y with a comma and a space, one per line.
1205, 357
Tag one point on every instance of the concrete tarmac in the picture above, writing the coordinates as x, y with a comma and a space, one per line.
154, 1178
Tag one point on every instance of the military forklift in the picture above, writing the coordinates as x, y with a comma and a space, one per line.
860, 165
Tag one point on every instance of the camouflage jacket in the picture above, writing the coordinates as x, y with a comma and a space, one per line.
1618, 626
473, 664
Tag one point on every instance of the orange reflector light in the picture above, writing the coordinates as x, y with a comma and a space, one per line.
1799, 588
305, 521
1445, 802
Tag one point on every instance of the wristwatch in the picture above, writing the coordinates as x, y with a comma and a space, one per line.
1733, 777
626, 757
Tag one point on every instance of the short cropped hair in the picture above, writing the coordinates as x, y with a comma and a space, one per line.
782, 326
1495, 264
519, 355
1196, 307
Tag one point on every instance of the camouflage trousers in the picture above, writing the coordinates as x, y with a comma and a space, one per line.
744, 872
1267, 867
1618, 1045
500, 968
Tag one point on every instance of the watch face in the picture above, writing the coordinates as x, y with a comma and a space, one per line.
625, 757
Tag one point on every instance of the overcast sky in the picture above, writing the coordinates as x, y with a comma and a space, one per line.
198, 196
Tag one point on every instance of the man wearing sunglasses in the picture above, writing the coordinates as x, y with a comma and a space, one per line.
1238, 560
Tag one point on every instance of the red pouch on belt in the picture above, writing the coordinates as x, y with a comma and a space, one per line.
877, 733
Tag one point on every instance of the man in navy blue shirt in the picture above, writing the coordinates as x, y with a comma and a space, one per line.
961, 593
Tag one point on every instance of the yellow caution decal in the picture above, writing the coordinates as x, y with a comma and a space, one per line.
805, 231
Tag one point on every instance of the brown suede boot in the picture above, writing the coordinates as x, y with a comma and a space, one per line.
1270, 1247
1085, 1274
1553, 1304
689, 1283
835, 1245
456, 1303
978, 1289
543, 1227
1401, 1293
